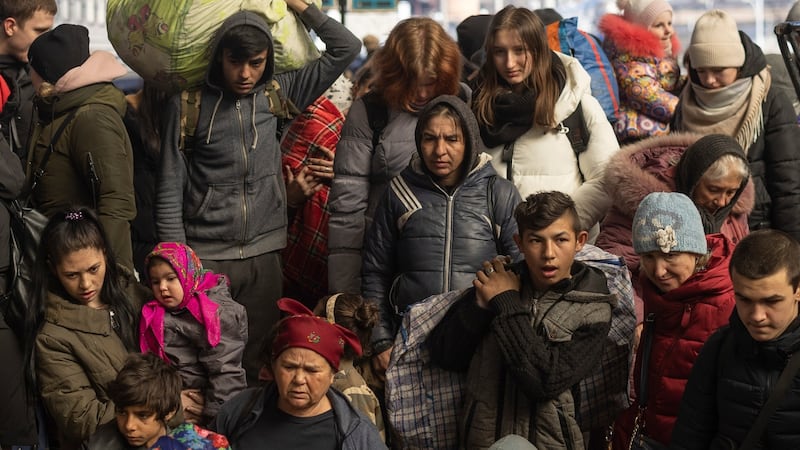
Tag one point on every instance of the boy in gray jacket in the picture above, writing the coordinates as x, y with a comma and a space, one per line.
225, 195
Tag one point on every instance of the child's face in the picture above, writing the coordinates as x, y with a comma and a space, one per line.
549, 252
140, 426
165, 284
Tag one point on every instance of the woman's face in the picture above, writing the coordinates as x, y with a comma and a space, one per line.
82, 273
302, 377
424, 91
717, 77
712, 195
668, 271
512, 59
662, 29
442, 147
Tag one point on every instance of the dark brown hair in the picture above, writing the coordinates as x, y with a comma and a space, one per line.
766, 252
541, 209
354, 313
147, 381
22, 10
546, 79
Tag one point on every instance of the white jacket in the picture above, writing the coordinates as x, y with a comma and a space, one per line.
543, 158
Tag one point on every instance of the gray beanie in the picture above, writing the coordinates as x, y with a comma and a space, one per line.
668, 222
716, 42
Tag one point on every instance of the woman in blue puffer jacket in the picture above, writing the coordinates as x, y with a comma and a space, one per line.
444, 215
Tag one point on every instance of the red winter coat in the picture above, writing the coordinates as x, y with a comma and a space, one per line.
685, 317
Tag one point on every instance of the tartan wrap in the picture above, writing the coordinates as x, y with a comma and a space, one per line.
305, 257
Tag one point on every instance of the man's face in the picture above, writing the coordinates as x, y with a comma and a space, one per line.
766, 305
241, 76
20, 35
549, 252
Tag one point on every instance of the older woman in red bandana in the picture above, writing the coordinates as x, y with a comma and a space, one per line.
297, 409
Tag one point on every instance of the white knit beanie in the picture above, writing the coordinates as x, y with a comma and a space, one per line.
716, 42
643, 12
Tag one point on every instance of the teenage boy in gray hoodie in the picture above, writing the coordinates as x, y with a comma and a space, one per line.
224, 194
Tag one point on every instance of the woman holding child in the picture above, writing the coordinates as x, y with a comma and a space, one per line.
81, 323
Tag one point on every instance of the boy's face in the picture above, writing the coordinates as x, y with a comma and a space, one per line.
549, 252
140, 426
19, 35
242, 76
165, 284
766, 306
442, 147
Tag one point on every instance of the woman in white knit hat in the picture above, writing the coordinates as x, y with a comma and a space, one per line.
730, 92
642, 47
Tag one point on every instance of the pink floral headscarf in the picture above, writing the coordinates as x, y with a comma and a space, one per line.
195, 281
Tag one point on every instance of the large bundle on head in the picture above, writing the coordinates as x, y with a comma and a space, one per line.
166, 41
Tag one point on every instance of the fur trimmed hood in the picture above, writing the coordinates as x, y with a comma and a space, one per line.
634, 39
648, 166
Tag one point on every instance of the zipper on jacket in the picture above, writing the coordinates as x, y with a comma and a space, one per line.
244, 179
562, 420
448, 243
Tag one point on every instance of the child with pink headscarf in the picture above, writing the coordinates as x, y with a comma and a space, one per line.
194, 325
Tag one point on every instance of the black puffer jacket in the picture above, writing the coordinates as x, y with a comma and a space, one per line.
773, 156
730, 382
425, 240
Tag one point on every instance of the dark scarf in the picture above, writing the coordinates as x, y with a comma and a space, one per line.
513, 116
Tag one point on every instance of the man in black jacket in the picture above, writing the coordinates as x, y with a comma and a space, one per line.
740, 364
23, 21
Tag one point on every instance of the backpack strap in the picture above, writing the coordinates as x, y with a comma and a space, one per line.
280, 106
190, 113
39, 172
377, 116
574, 126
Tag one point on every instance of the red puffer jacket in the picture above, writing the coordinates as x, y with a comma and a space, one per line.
684, 318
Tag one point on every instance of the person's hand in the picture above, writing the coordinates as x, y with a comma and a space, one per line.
192, 401
380, 363
297, 5
494, 279
301, 186
322, 168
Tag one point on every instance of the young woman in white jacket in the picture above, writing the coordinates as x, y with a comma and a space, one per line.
525, 99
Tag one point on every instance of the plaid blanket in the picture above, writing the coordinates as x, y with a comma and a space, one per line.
305, 266
423, 401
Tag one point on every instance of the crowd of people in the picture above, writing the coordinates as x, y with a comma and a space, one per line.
432, 247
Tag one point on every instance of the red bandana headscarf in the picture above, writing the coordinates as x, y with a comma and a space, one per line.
303, 329
195, 281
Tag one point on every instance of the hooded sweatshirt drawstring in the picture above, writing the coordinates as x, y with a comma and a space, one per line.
213, 115
253, 123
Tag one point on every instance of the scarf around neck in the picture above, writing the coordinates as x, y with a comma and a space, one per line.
735, 110
195, 282
513, 116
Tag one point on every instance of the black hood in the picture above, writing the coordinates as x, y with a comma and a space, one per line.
473, 146
214, 76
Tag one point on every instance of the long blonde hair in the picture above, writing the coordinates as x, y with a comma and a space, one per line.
546, 79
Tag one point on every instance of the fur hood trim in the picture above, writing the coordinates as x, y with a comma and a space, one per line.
648, 165
633, 39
